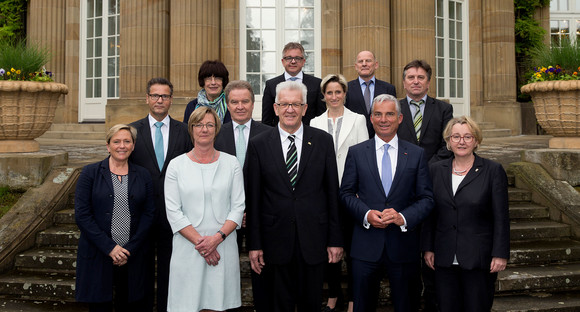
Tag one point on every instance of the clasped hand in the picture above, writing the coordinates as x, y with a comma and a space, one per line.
206, 246
381, 219
119, 255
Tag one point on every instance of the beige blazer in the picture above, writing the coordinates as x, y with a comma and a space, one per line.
352, 131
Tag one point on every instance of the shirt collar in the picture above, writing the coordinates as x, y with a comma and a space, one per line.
298, 134
361, 81
247, 124
152, 121
300, 75
424, 98
379, 143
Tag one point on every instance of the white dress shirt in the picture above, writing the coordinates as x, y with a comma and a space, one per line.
300, 76
246, 131
164, 132
297, 141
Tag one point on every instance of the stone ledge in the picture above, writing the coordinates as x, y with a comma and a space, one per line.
561, 164
25, 170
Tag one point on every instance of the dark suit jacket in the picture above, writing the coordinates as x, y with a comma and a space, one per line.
435, 118
93, 212
313, 98
144, 155
225, 141
473, 224
355, 100
278, 215
410, 194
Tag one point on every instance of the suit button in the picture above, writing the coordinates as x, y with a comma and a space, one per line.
454, 227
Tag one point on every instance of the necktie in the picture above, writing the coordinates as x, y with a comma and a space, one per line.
293, 78
418, 118
241, 145
159, 152
367, 96
386, 170
292, 161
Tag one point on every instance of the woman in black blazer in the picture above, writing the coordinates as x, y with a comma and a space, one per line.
466, 239
114, 209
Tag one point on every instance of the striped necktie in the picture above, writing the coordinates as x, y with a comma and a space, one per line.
417, 118
292, 161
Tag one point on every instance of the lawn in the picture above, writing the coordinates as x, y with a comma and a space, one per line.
8, 198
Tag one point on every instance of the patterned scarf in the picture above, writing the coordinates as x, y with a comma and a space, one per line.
219, 104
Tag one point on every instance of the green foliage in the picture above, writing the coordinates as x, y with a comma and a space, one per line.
559, 62
12, 20
19, 61
7, 199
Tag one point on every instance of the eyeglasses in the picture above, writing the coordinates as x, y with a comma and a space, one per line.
293, 58
209, 126
287, 105
210, 78
468, 138
155, 97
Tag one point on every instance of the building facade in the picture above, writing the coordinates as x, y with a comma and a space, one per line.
106, 50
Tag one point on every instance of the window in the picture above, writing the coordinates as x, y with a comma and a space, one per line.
268, 26
451, 68
564, 20
99, 59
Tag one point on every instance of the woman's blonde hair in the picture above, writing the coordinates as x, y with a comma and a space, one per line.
116, 128
463, 120
198, 115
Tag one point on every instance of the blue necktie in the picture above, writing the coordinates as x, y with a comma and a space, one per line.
241, 145
386, 170
293, 78
159, 152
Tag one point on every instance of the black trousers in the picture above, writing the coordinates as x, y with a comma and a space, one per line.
296, 286
120, 295
464, 290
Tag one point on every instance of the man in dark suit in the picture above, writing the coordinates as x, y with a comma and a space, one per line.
366, 87
292, 204
240, 100
431, 116
434, 114
387, 190
293, 60
154, 152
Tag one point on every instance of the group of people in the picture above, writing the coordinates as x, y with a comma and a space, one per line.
335, 170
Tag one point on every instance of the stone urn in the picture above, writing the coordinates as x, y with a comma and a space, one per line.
27, 110
557, 106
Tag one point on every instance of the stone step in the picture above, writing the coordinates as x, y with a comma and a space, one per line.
49, 260
84, 127
511, 179
65, 216
76, 132
538, 302
486, 125
559, 277
516, 195
38, 286
59, 235
534, 230
528, 211
544, 252
496, 133
19, 305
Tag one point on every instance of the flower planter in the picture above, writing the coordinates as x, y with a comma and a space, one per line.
557, 105
27, 110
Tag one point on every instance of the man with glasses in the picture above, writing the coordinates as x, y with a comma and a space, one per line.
293, 60
160, 139
292, 205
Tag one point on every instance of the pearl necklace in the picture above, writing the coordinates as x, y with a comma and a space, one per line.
460, 172
199, 161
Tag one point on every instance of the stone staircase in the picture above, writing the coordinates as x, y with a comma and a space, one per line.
543, 272
490, 131
89, 131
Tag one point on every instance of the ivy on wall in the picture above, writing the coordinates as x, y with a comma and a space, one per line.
529, 35
12, 20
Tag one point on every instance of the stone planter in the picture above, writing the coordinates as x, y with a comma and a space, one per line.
557, 106
26, 112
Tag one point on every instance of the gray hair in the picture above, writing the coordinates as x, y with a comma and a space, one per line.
387, 98
292, 85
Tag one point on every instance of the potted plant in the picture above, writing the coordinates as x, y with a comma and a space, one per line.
555, 88
29, 96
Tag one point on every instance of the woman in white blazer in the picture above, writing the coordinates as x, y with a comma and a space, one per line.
347, 129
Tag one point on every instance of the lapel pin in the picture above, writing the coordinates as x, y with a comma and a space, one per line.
476, 169
309, 143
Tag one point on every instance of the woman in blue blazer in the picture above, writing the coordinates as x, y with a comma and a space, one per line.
114, 209
466, 239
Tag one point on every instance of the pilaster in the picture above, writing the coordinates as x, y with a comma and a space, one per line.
331, 38
230, 37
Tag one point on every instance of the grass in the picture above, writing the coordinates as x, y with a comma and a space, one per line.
8, 198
